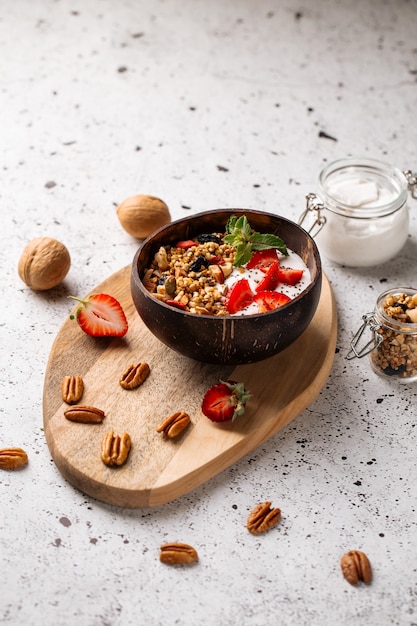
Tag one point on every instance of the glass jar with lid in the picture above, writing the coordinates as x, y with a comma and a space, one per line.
359, 216
393, 345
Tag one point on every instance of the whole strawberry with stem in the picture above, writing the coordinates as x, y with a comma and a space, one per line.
225, 401
100, 315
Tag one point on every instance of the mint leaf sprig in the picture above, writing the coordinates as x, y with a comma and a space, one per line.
246, 240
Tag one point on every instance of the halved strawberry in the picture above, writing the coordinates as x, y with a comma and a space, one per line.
262, 259
270, 300
270, 280
101, 315
289, 276
225, 401
239, 296
185, 244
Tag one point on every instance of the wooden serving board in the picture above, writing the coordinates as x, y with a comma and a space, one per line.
160, 470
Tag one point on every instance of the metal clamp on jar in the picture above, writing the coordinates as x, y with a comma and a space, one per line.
393, 344
360, 217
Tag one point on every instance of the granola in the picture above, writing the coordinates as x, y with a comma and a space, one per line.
189, 276
396, 355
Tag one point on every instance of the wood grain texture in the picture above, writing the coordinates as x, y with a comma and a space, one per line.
160, 470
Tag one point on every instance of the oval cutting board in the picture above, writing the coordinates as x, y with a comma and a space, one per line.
160, 470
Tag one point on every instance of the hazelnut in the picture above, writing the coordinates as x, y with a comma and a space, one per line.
44, 263
141, 215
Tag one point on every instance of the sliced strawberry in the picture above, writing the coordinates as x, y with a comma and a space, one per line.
101, 315
217, 260
289, 276
270, 280
262, 259
270, 300
225, 401
186, 243
239, 296
175, 303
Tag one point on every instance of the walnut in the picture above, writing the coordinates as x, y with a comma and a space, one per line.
141, 215
262, 518
44, 263
356, 567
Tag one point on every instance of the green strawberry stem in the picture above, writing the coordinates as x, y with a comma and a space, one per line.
241, 395
83, 302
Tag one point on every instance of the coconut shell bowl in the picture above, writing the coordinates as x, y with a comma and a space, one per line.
227, 339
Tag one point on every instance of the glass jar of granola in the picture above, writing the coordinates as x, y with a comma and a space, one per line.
393, 345
360, 216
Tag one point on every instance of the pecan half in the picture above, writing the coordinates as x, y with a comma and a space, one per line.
84, 414
262, 518
12, 458
174, 425
72, 388
356, 567
134, 376
115, 449
178, 554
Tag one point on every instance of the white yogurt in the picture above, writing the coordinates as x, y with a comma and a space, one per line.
254, 276
361, 192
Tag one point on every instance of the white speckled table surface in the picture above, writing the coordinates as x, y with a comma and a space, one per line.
204, 104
